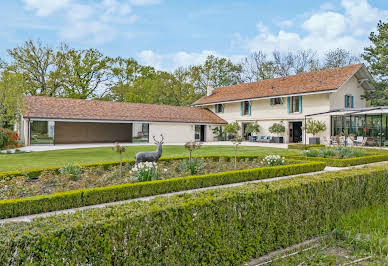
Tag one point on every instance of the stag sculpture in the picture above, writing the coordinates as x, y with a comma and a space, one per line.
150, 156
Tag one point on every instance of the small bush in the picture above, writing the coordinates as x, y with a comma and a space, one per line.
8, 139
74, 170
145, 171
195, 166
305, 146
273, 160
335, 152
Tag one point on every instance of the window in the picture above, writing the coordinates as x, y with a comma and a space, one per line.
349, 101
42, 132
245, 108
219, 108
275, 101
294, 104
140, 132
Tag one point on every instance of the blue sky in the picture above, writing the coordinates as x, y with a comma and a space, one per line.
172, 33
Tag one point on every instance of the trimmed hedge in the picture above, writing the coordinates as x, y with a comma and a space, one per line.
345, 162
300, 146
92, 196
217, 227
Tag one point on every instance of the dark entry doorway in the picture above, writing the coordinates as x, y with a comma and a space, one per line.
200, 133
296, 132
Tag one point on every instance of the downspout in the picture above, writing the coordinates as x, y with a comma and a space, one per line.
305, 136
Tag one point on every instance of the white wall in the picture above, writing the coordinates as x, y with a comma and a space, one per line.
172, 133
350, 87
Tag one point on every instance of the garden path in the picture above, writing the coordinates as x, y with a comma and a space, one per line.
29, 218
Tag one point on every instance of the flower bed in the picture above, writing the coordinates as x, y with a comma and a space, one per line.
123, 191
73, 176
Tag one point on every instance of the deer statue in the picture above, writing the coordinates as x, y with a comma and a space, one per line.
150, 156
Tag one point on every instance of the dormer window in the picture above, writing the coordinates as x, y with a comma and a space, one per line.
275, 101
219, 108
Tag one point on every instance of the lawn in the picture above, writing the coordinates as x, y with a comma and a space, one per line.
9, 162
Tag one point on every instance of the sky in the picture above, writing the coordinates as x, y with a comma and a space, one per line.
171, 33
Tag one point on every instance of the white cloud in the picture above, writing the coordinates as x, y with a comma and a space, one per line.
171, 61
322, 31
94, 21
45, 7
329, 24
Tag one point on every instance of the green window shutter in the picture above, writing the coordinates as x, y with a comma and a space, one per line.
222, 108
300, 104
215, 108
271, 101
241, 108
281, 100
249, 108
289, 104
346, 101
352, 101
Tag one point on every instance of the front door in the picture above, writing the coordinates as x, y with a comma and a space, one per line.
296, 132
199, 133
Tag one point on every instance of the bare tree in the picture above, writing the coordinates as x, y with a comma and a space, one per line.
284, 63
305, 61
338, 58
257, 67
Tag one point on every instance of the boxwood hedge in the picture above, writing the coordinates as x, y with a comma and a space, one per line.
217, 227
345, 162
92, 196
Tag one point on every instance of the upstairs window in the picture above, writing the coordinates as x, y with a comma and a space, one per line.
275, 101
349, 101
219, 108
294, 104
245, 108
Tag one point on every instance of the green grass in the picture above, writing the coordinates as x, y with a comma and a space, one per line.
10, 162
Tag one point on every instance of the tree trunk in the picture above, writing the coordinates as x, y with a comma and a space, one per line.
235, 156
121, 164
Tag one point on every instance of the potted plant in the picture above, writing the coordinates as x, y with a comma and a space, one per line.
314, 127
278, 129
218, 133
252, 128
232, 129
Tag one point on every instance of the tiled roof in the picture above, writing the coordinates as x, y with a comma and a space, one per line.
65, 108
317, 81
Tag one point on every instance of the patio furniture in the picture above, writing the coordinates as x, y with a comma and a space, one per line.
327, 141
358, 140
341, 140
364, 141
334, 140
385, 143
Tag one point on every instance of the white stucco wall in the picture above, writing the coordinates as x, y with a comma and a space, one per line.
350, 87
265, 114
172, 133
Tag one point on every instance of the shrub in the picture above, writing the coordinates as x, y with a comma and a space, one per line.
273, 160
9, 139
74, 170
299, 146
252, 128
145, 171
195, 166
85, 197
221, 227
335, 152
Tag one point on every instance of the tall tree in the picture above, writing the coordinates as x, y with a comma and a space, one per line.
297, 62
377, 57
11, 96
257, 67
215, 72
40, 66
338, 58
125, 71
87, 74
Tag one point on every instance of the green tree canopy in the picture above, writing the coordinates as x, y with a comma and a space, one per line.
377, 57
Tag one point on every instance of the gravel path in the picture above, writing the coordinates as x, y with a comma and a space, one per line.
29, 218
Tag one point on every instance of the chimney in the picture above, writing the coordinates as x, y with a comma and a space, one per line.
209, 90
